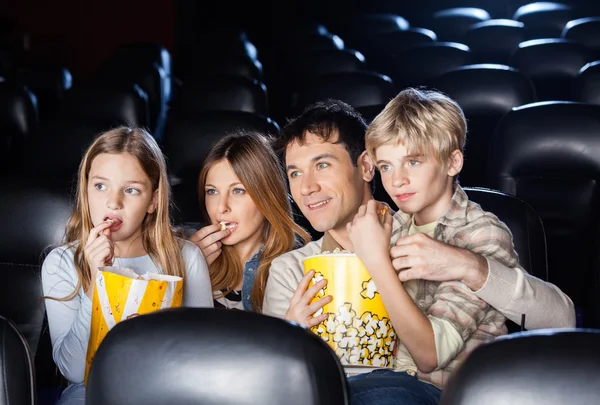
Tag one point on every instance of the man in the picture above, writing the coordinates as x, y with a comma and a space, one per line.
329, 174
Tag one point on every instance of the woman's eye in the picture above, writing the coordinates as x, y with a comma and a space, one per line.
211, 191
238, 191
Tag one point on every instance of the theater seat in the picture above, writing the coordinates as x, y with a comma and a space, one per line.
548, 154
16, 367
452, 24
586, 31
552, 65
196, 356
544, 19
359, 89
486, 93
542, 367
493, 41
587, 84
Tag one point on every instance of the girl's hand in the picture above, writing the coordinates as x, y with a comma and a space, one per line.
99, 251
208, 239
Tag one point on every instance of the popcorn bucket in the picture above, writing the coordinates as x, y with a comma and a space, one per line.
358, 327
119, 293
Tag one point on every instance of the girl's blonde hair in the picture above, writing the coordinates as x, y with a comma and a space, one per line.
256, 165
158, 238
423, 121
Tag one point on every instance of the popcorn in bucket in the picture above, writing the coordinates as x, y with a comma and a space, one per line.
358, 327
119, 293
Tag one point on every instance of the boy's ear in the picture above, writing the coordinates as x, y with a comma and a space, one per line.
367, 167
154, 203
456, 163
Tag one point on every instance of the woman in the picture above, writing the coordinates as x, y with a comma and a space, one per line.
245, 201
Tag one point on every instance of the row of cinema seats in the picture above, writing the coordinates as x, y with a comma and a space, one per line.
212, 356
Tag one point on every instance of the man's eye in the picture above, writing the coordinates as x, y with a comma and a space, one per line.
322, 165
294, 174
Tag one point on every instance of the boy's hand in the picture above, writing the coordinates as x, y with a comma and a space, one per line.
208, 239
370, 234
421, 257
301, 309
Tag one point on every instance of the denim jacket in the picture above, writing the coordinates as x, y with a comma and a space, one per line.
250, 270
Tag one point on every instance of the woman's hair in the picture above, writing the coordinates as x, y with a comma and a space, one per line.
157, 236
256, 165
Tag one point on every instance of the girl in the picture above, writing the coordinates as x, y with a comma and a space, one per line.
121, 218
244, 198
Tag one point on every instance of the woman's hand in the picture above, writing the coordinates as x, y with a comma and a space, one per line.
208, 239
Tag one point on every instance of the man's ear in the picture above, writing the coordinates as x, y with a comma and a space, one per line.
455, 164
154, 203
366, 166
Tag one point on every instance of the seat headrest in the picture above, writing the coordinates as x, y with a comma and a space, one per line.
547, 139
542, 57
212, 356
33, 215
188, 141
545, 367
18, 110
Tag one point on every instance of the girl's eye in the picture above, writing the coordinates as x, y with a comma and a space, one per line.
100, 187
238, 191
132, 191
211, 191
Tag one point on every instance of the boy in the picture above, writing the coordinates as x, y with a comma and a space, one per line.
416, 143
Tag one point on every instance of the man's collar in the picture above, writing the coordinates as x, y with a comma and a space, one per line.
329, 244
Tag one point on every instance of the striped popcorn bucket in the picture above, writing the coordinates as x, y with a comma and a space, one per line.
119, 293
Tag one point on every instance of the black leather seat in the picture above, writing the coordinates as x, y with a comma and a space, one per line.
385, 47
586, 31
318, 41
544, 19
587, 84
552, 64
187, 143
493, 41
486, 93
452, 24
16, 367
192, 356
49, 83
548, 154
322, 62
542, 367
221, 93
109, 107
420, 65
18, 119
359, 30
525, 224
359, 89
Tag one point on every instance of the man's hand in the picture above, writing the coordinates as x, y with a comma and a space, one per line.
421, 257
301, 310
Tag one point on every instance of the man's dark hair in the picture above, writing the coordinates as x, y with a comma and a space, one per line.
326, 119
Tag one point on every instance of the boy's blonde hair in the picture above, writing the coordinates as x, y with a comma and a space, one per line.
423, 121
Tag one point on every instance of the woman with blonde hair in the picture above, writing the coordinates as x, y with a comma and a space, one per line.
121, 218
245, 201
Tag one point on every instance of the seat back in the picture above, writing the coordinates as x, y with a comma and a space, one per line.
493, 41
544, 19
452, 24
587, 84
543, 367
548, 154
586, 31
485, 93
241, 358
16, 367
552, 65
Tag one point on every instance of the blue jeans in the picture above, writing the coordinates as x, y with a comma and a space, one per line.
74, 394
387, 387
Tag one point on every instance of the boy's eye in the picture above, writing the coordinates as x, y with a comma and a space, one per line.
384, 168
413, 162
211, 191
132, 191
238, 190
100, 187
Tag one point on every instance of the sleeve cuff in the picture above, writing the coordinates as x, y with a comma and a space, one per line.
499, 288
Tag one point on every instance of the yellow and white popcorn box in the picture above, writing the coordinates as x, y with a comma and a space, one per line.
358, 327
119, 292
